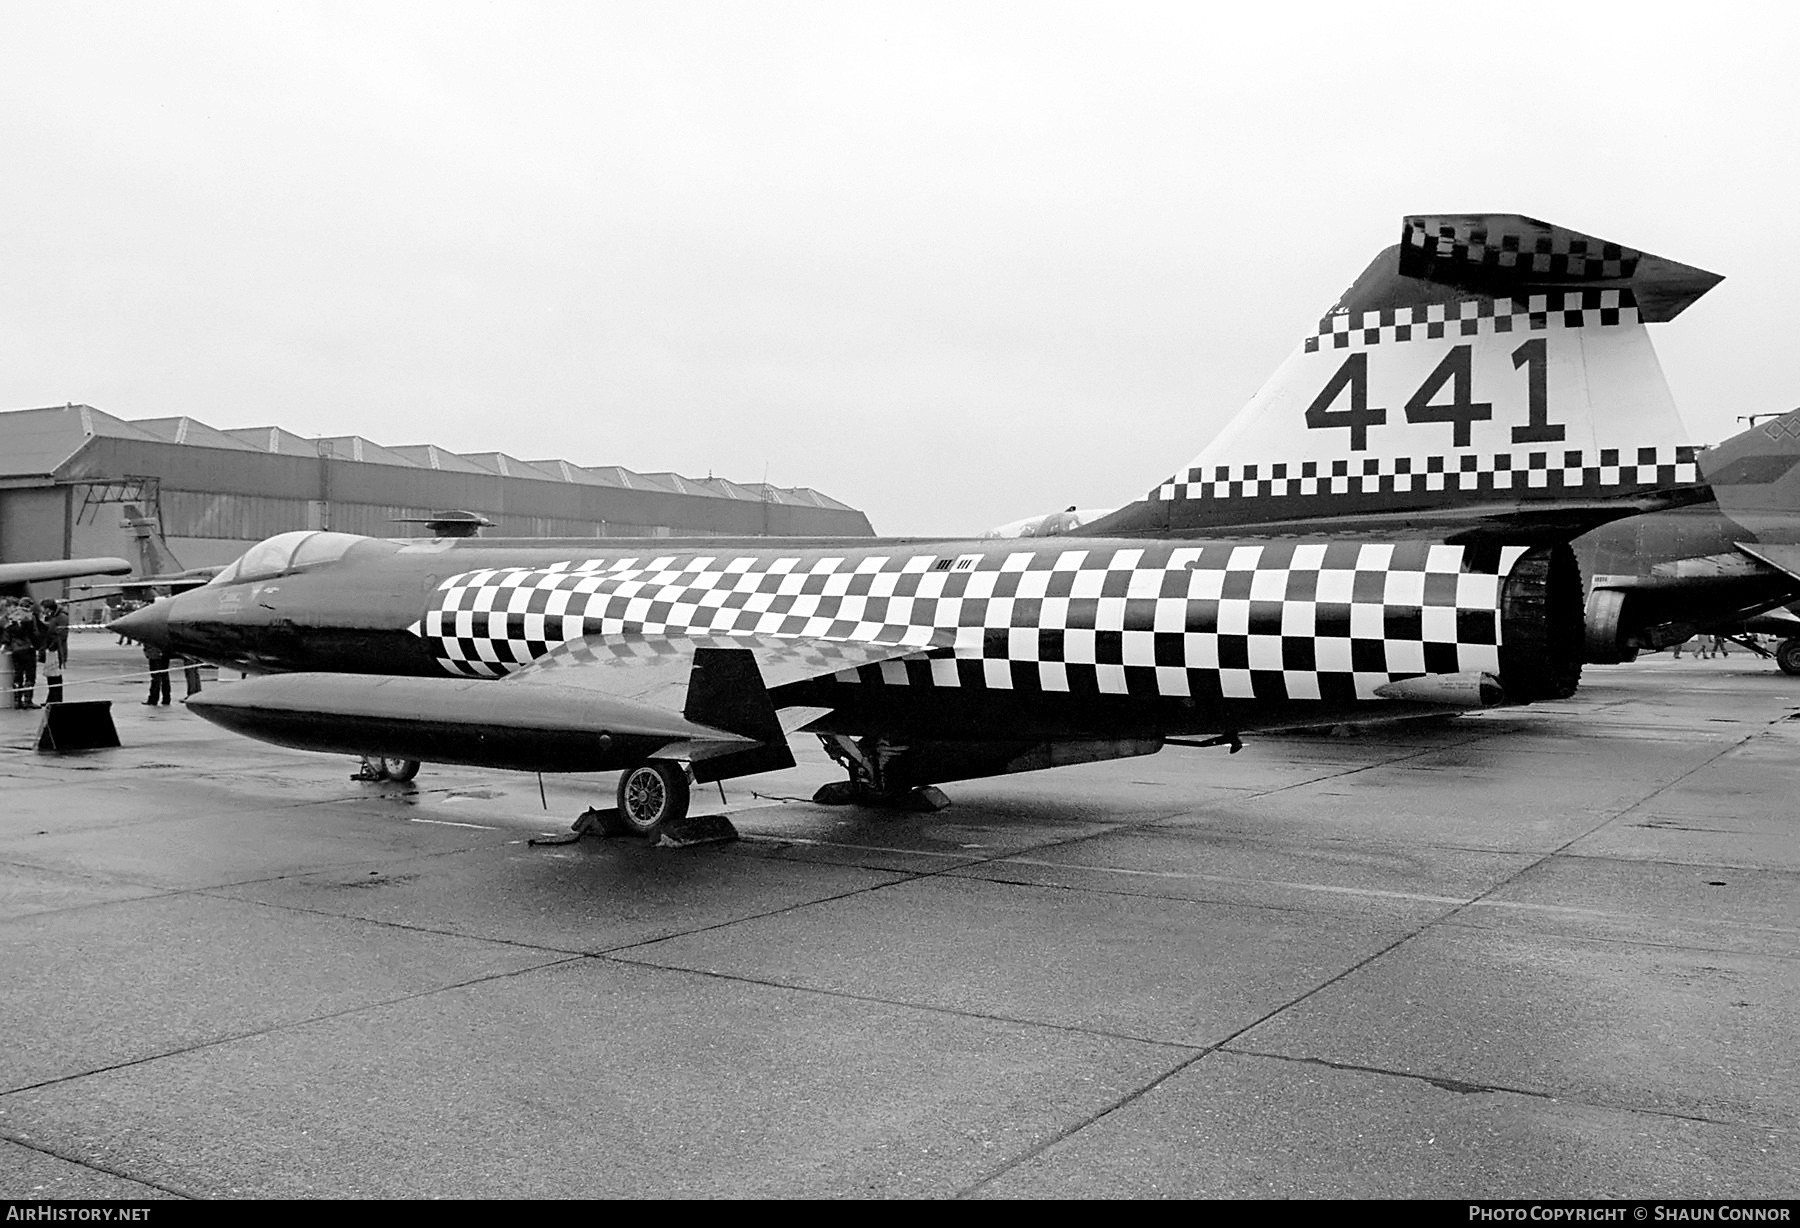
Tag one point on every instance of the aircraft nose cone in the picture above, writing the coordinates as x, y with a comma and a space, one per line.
149, 625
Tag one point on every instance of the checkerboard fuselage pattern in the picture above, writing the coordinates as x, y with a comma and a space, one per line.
1214, 621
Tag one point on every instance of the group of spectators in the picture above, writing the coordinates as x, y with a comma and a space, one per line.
33, 635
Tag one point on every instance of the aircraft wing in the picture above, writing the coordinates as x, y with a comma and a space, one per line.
654, 669
1783, 558
15, 577
594, 704
12, 574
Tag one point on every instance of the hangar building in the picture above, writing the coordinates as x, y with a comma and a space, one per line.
66, 473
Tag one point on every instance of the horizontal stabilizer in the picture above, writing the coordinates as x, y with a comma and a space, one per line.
1507, 254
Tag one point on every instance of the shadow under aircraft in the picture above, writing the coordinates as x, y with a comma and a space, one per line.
1484, 393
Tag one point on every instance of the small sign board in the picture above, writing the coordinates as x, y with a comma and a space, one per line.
87, 725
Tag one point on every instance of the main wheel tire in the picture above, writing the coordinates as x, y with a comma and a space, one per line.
1787, 656
650, 795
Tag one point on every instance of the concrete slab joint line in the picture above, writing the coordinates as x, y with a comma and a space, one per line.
1539, 953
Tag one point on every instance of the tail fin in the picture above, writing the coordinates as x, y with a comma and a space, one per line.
1755, 475
1490, 375
154, 556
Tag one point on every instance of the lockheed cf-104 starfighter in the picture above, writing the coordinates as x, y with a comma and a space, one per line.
1482, 394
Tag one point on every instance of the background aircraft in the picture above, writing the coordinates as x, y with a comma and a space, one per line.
918, 662
16, 579
1710, 568
159, 572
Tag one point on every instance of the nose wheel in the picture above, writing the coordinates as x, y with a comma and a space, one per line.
650, 795
379, 767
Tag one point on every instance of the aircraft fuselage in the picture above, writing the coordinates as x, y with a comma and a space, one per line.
1040, 639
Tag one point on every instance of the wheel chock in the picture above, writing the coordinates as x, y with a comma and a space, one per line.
926, 799
591, 823
837, 793
674, 834
695, 829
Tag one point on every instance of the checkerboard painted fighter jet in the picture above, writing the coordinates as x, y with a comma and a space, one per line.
1483, 393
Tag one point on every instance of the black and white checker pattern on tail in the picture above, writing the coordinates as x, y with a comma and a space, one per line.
1537, 469
1474, 316
1215, 621
1539, 254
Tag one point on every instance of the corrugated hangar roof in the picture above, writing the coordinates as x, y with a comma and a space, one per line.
686, 486
355, 447
58, 444
728, 488
35, 442
807, 494
509, 466
430, 456
618, 475
569, 471
190, 431
274, 439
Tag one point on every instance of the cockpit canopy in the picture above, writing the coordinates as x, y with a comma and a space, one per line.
288, 552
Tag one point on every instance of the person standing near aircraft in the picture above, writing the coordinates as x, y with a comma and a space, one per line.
54, 619
158, 657
19, 639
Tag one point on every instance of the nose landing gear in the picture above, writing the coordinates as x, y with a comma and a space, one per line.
381, 767
650, 795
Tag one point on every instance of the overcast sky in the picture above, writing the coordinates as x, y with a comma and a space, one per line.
951, 263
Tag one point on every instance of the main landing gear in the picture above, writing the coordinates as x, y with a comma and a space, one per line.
867, 761
1787, 655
